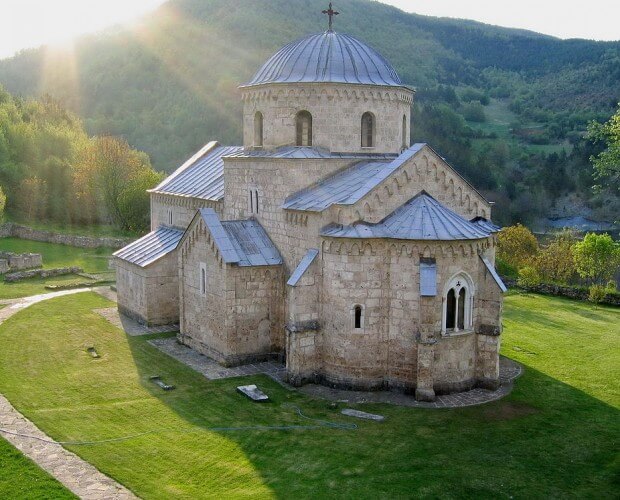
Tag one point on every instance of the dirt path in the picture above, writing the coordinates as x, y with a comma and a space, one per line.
76, 474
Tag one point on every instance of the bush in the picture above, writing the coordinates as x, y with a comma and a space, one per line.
597, 294
528, 276
505, 269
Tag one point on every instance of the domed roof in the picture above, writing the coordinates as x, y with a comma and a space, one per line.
327, 57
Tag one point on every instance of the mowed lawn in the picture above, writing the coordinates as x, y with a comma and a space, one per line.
89, 259
21, 478
556, 435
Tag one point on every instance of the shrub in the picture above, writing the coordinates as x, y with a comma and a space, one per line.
611, 287
597, 294
505, 269
528, 276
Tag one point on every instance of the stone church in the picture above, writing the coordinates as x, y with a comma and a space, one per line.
327, 239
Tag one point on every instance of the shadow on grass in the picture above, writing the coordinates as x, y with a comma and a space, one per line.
545, 439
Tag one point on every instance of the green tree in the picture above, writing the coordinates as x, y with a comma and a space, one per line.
555, 262
597, 257
517, 246
607, 163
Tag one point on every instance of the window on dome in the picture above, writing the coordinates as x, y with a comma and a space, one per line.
405, 138
304, 128
368, 130
258, 129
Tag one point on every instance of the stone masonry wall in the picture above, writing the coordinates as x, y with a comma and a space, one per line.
10, 229
275, 180
150, 294
240, 317
401, 334
183, 209
425, 171
336, 110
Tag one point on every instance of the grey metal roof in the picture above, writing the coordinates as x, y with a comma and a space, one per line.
151, 247
303, 266
491, 268
348, 186
486, 224
202, 176
305, 152
421, 218
241, 242
327, 57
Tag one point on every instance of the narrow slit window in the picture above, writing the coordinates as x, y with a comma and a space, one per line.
368, 130
251, 201
170, 217
258, 129
256, 201
203, 278
405, 137
304, 128
357, 321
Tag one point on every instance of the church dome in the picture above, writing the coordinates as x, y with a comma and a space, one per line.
328, 57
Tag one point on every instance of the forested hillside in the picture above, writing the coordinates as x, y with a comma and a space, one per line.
507, 107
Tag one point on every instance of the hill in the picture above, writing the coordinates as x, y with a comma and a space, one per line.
169, 83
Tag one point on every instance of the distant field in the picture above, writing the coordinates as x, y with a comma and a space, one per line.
499, 121
91, 260
555, 436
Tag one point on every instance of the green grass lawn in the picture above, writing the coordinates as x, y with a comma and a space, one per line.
556, 435
97, 230
22, 478
91, 260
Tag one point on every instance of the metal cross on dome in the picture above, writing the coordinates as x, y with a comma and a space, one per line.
331, 13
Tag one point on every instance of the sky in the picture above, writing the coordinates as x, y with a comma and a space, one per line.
31, 23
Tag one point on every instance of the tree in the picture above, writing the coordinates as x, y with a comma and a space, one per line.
108, 168
597, 257
555, 262
2, 202
607, 163
134, 202
517, 246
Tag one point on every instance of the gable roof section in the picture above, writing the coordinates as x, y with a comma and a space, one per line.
305, 153
421, 218
151, 247
303, 266
348, 186
241, 242
202, 176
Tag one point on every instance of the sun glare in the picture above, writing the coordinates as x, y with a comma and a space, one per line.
31, 23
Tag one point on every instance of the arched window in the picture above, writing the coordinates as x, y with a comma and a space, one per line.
303, 124
458, 304
368, 130
357, 316
258, 129
405, 136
